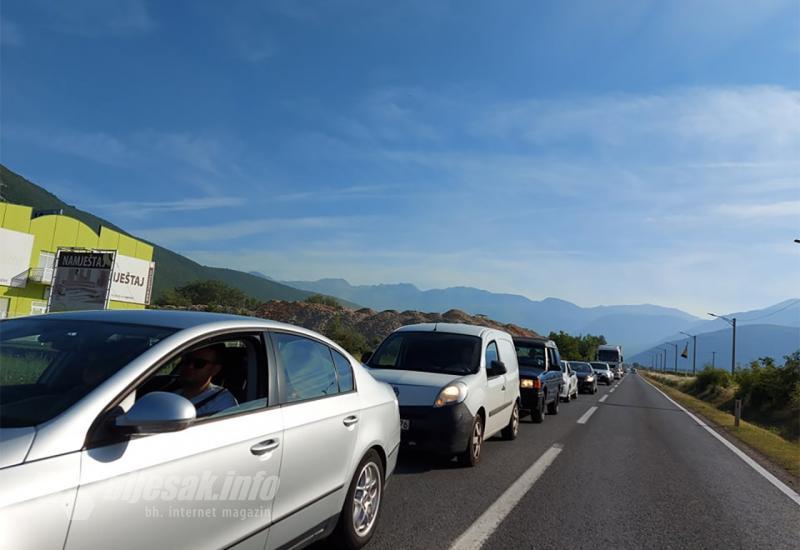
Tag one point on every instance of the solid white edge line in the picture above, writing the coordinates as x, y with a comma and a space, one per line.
602, 398
785, 489
480, 531
585, 418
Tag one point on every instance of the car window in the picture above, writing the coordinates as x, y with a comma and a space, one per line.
308, 368
47, 365
491, 354
344, 371
530, 355
220, 376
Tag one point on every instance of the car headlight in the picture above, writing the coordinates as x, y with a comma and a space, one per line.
451, 394
526, 383
590, 378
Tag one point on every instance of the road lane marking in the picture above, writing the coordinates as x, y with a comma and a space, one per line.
585, 418
781, 486
602, 398
475, 537
611, 390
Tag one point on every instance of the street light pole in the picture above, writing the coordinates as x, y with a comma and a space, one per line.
694, 349
713, 359
731, 322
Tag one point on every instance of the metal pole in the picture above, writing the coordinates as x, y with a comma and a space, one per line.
694, 353
713, 359
733, 351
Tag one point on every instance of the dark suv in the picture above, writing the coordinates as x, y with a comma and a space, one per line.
540, 377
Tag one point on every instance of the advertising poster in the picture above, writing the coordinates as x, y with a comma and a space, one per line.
81, 281
132, 280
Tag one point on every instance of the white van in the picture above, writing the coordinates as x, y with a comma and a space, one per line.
456, 384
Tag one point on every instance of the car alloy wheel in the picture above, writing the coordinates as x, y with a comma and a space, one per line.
366, 499
362, 504
512, 430
472, 455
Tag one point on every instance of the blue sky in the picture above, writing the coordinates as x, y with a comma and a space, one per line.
599, 152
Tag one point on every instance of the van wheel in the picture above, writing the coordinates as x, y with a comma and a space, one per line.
362, 505
472, 454
511, 431
538, 415
552, 408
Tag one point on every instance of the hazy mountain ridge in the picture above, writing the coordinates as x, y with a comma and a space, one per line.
632, 325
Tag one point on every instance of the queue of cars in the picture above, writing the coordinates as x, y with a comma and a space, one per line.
92, 403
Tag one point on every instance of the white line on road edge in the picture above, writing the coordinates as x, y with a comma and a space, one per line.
602, 398
585, 418
781, 486
611, 390
474, 537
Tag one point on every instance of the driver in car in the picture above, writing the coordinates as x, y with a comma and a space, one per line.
195, 372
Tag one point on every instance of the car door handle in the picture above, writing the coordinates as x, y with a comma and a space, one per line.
350, 420
264, 447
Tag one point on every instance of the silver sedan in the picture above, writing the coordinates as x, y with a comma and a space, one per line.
156, 429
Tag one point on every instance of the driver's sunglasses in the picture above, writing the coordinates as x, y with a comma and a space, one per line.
195, 362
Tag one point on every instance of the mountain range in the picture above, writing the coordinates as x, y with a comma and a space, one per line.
634, 326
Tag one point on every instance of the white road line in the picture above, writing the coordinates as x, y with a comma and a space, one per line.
611, 390
585, 418
602, 398
781, 486
474, 537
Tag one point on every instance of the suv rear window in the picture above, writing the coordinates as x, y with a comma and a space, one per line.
429, 352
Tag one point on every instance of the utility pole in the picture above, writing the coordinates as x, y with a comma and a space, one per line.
676, 355
694, 349
713, 359
731, 322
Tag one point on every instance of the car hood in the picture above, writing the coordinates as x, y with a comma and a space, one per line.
414, 388
530, 372
14, 445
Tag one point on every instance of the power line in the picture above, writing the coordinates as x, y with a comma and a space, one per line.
787, 306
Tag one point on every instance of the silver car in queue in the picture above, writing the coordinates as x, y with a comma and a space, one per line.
97, 449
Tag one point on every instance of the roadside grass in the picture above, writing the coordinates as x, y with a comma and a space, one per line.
785, 454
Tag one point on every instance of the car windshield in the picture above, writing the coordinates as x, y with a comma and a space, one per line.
530, 355
581, 367
599, 366
439, 352
608, 355
47, 365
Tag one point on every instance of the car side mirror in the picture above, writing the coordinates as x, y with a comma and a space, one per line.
158, 412
366, 356
496, 368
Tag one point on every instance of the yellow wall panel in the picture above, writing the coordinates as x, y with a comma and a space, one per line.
127, 246
109, 239
66, 235
43, 229
17, 217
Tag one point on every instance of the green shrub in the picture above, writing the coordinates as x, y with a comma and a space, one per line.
710, 377
347, 337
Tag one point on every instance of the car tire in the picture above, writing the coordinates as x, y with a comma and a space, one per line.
552, 408
366, 487
511, 431
472, 454
537, 416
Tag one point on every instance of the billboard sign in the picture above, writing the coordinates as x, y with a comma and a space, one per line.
132, 280
15, 259
81, 281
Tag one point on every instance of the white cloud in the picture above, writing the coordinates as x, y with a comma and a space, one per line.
143, 209
97, 146
762, 210
211, 232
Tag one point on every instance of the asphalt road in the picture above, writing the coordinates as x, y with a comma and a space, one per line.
636, 472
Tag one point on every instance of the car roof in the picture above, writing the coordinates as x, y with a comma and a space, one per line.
177, 319
534, 340
452, 328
